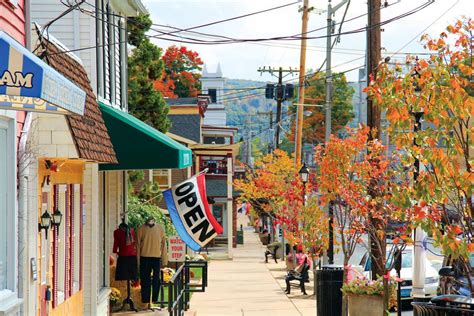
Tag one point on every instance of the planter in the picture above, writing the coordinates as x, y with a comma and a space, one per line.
365, 305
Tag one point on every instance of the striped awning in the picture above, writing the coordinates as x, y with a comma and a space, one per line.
29, 84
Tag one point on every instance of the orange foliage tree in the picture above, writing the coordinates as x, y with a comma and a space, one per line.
276, 182
181, 73
358, 180
440, 87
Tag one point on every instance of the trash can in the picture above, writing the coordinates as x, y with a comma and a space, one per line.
240, 237
328, 290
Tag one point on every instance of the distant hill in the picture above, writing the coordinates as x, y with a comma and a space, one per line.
243, 100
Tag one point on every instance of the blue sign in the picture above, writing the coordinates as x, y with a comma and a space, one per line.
29, 84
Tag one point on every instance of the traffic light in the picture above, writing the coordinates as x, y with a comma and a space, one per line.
289, 91
269, 91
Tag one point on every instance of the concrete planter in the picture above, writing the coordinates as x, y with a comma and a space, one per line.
365, 305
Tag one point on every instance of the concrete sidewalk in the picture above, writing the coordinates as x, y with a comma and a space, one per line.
246, 286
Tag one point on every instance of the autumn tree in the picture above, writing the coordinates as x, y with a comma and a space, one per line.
276, 183
439, 88
181, 73
315, 93
358, 179
144, 67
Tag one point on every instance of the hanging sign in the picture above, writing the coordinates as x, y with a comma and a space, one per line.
29, 84
190, 212
176, 249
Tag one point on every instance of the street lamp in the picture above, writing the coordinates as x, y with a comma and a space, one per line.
304, 173
45, 222
57, 217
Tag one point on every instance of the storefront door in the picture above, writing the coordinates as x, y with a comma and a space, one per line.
3, 208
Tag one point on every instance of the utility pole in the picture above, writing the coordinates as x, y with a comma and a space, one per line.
373, 117
300, 110
373, 60
282, 93
328, 118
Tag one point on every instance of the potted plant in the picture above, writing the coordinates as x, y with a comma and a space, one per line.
115, 299
366, 296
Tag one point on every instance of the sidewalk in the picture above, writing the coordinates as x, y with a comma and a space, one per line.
246, 286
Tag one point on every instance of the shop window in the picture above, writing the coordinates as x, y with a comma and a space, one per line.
218, 212
163, 178
60, 247
76, 237
67, 242
215, 164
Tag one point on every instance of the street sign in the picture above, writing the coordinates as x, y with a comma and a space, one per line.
176, 249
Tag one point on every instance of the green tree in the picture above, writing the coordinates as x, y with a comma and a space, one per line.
313, 126
144, 67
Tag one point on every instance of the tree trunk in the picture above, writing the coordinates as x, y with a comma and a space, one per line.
386, 294
344, 281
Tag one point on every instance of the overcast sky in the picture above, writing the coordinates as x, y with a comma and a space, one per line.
241, 61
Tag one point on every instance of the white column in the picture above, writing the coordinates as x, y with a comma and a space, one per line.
230, 217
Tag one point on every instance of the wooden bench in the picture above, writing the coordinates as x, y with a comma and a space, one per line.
273, 254
302, 277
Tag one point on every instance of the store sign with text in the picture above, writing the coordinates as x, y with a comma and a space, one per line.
29, 84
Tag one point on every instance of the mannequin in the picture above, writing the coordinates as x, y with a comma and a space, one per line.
127, 267
151, 254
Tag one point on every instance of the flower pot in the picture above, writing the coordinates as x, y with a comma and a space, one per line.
365, 305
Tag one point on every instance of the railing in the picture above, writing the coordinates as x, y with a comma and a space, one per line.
180, 287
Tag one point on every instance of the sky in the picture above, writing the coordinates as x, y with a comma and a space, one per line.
241, 61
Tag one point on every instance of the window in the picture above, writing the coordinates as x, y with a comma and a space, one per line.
163, 178
60, 245
213, 94
67, 242
215, 164
76, 236
216, 140
3, 210
218, 212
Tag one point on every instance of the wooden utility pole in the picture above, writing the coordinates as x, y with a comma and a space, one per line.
373, 121
280, 96
373, 60
300, 109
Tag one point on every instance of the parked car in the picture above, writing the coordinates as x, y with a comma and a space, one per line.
406, 274
454, 277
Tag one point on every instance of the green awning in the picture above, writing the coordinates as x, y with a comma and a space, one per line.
140, 146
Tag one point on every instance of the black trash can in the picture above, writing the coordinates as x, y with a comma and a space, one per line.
328, 290
240, 237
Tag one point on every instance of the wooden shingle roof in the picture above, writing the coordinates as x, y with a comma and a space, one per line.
88, 131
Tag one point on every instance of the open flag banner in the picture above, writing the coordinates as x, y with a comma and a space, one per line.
190, 212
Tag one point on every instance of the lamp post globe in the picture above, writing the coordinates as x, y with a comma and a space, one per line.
57, 217
304, 173
45, 220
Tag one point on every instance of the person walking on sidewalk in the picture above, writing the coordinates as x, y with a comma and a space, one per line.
151, 254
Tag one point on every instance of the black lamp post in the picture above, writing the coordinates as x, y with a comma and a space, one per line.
45, 222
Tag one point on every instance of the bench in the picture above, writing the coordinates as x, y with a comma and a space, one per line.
272, 253
302, 277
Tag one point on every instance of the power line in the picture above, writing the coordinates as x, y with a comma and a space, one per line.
280, 38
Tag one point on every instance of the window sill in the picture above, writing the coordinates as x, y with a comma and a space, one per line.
10, 304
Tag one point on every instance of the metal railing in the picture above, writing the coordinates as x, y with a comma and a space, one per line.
180, 286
